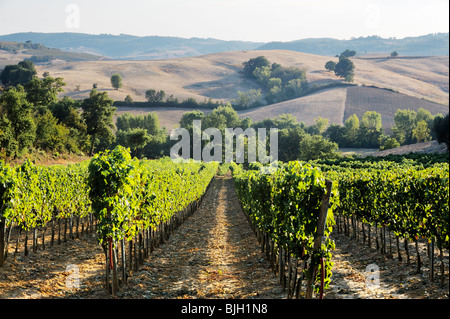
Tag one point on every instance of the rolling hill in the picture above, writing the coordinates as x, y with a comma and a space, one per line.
131, 47
384, 84
406, 82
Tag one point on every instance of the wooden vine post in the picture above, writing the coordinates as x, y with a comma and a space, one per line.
323, 212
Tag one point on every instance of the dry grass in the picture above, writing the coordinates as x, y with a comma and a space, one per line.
329, 104
217, 76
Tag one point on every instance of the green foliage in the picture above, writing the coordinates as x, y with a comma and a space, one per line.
370, 129
441, 130
347, 54
412, 202
149, 122
345, 69
128, 99
251, 65
116, 81
135, 139
153, 96
421, 132
407, 129
18, 125
316, 146
30, 195
98, 114
279, 83
390, 143
51, 136
129, 195
142, 134
285, 205
20, 73
42, 93
330, 65
405, 122
252, 98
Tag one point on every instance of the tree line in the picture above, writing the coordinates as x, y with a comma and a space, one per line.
409, 127
34, 117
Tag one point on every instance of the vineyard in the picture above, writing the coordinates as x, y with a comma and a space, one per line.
407, 201
397, 206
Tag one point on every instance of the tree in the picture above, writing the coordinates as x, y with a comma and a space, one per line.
394, 54
128, 99
370, 129
330, 65
314, 147
404, 124
98, 114
351, 131
319, 126
441, 130
52, 136
249, 99
294, 88
347, 54
336, 133
17, 121
289, 139
66, 111
262, 76
345, 69
116, 81
188, 118
154, 96
251, 65
222, 117
44, 92
389, 143
421, 132
20, 73
136, 139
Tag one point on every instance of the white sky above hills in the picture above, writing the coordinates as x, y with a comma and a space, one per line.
249, 20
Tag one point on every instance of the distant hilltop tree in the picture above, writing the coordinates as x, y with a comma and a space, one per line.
394, 54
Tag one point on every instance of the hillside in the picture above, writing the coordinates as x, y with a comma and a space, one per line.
131, 47
431, 44
384, 84
39, 53
409, 82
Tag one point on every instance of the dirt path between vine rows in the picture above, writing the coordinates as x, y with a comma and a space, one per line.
214, 254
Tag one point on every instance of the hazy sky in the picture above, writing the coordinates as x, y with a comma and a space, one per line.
253, 20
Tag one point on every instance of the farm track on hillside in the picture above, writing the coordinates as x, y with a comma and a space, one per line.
214, 254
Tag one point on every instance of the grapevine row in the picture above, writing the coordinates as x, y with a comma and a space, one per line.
286, 207
408, 202
140, 202
33, 197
